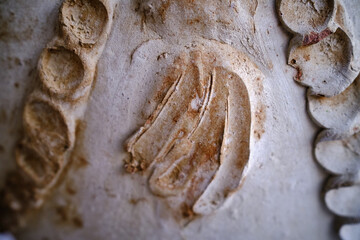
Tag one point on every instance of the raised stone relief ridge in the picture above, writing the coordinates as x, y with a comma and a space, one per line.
325, 52
195, 146
66, 71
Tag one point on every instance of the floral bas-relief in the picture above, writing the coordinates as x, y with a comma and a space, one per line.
196, 144
326, 54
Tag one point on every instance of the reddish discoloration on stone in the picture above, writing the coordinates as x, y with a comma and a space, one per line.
314, 37
298, 74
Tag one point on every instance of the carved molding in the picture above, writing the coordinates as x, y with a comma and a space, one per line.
53, 111
326, 54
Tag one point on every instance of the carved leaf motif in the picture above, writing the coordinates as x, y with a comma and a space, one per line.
202, 127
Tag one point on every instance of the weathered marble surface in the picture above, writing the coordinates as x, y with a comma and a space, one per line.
280, 197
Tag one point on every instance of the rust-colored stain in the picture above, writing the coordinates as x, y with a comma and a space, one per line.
78, 157
314, 37
163, 9
135, 201
68, 215
299, 74
260, 117
186, 211
260, 111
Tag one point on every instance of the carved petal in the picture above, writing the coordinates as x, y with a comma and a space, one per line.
344, 201
325, 66
339, 156
350, 232
235, 147
340, 112
305, 16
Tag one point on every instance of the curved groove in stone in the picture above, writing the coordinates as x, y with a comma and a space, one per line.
325, 67
85, 19
61, 70
344, 201
306, 17
340, 112
47, 129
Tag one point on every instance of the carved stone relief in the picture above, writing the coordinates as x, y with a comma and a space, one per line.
55, 107
194, 124
196, 143
195, 146
325, 52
